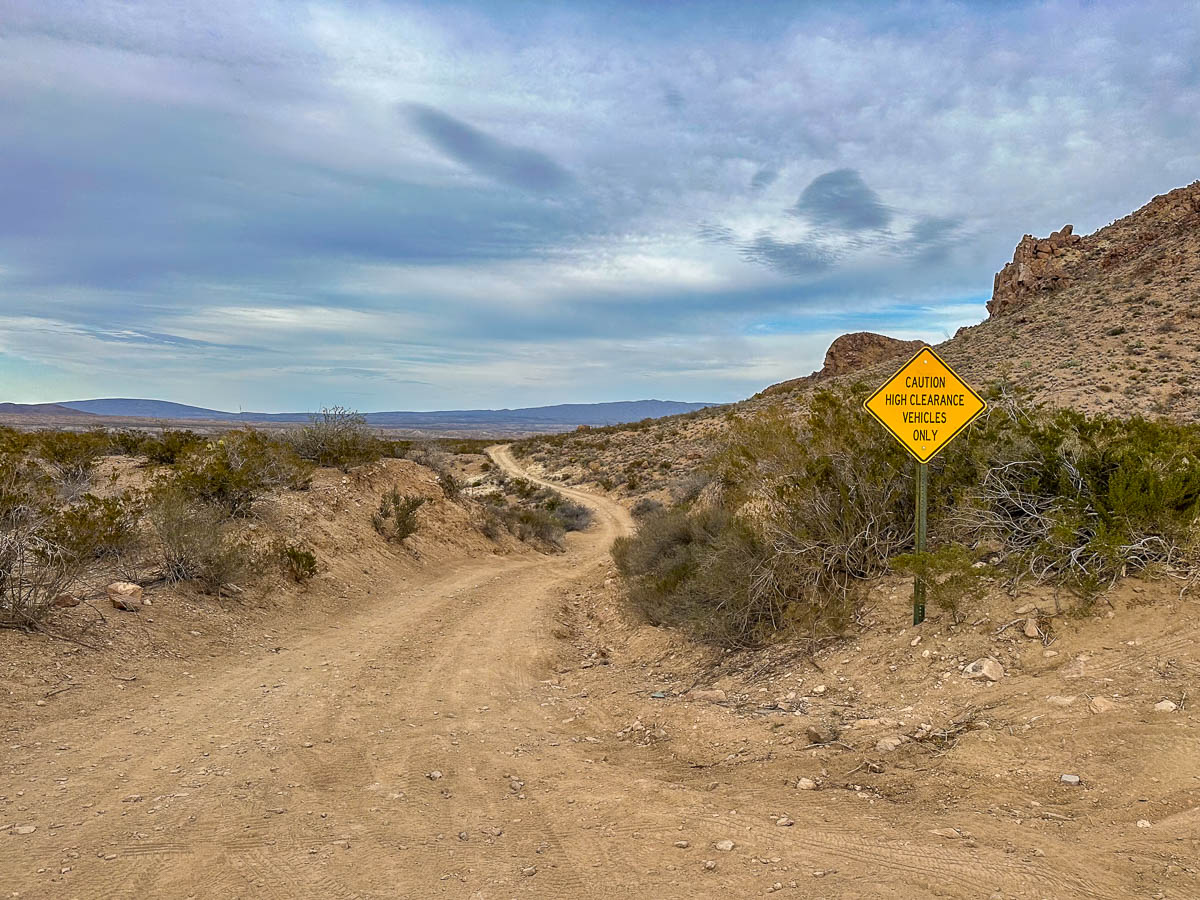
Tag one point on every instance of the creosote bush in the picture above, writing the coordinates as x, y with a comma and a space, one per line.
237, 468
954, 579
397, 515
298, 563
70, 456
167, 447
99, 527
34, 567
536, 514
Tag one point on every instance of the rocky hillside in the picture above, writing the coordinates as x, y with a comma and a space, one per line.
1107, 322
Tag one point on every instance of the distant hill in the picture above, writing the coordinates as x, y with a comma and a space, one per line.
566, 415
124, 407
41, 409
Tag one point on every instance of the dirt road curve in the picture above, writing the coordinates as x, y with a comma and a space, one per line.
421, 749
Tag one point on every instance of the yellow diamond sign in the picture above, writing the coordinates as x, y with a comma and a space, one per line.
925, 405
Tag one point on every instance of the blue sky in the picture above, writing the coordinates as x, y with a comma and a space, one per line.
276, 206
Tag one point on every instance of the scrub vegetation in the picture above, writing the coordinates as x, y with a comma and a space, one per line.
802, 510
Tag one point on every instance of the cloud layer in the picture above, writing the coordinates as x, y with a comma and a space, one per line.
416, 206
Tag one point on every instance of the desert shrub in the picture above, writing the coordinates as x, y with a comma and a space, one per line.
705, 571
236, 469
449, 484
70, 456
34, 567
1073, 499
645, 506
433, 457
127, 442
954, 580
338, 437
397, 515
298, 563
169, 446
687, 488
13, 443
536, 514
530, 524
197, 541
100, 527
571, 516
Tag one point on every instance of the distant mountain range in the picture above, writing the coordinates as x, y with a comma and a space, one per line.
565, 415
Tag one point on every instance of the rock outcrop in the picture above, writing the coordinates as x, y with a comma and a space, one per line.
857, 351
848, 354
1039, 264
1160, 239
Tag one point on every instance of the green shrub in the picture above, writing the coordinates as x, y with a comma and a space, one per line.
528, 524
297, 562
397, 515
70, 456
538, 514
236, 469
100, 527
13, 443
1073, 499
169, 446
338, 437
954, 582
449, 484
197, 541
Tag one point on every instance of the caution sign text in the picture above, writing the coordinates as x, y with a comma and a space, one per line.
925, 404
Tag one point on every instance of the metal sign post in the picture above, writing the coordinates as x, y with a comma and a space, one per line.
925, 405
922, 521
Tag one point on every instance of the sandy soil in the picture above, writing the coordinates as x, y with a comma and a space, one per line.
495, 729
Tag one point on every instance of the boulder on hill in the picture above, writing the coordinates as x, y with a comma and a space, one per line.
852, 353
857, 351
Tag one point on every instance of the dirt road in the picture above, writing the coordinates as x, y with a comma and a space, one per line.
431, 747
